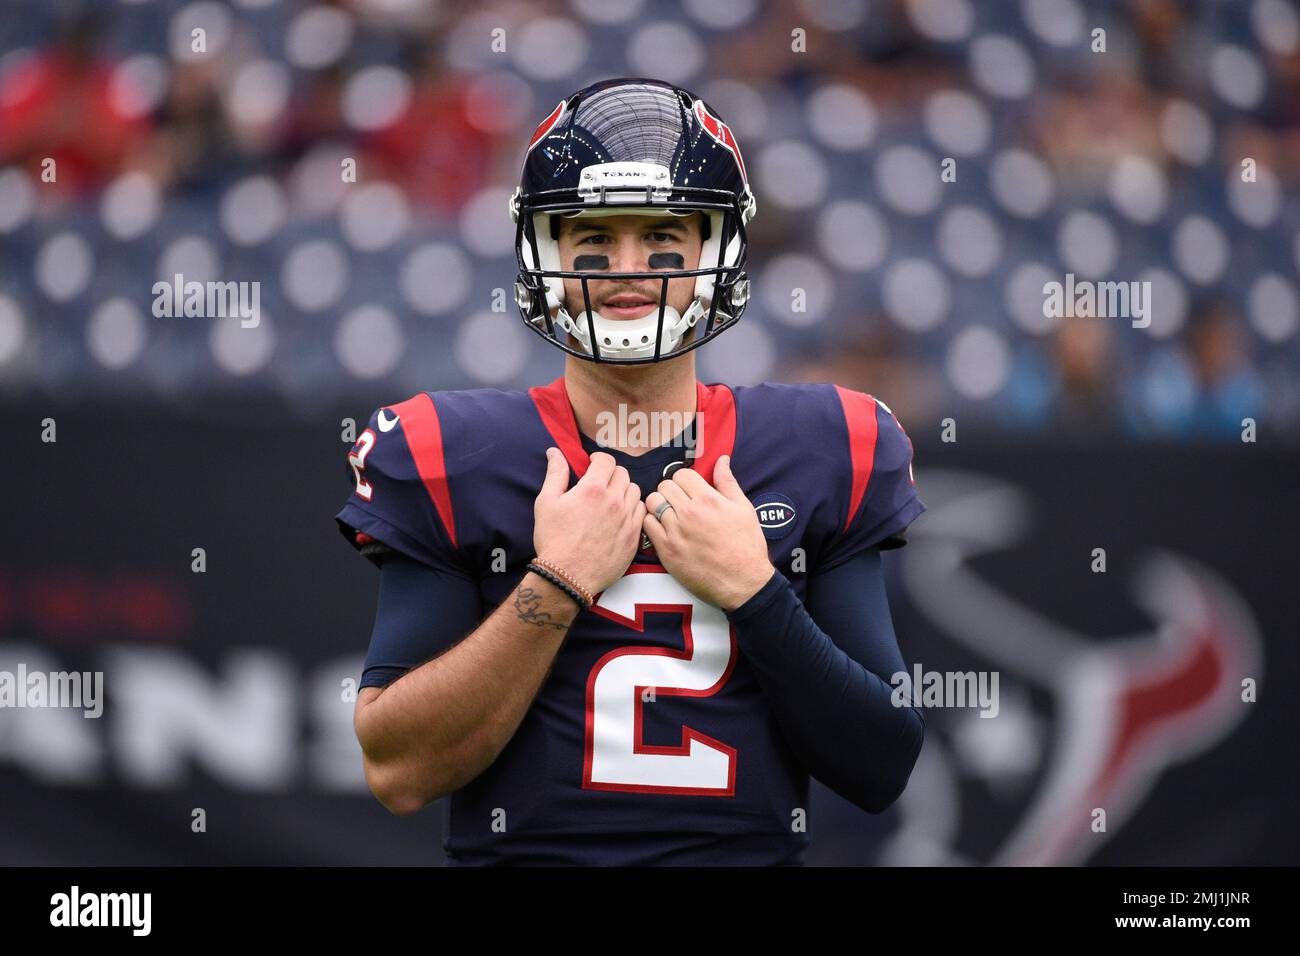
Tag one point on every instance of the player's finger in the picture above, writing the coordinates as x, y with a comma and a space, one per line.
631, 495
601, 468
635, 516
674, 493
652, 505
619, 481
557, 474
654, 530
692, 482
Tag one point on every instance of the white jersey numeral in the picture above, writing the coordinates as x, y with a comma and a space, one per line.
626, 681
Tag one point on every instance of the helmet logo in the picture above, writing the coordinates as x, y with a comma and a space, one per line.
546, 126
721, 132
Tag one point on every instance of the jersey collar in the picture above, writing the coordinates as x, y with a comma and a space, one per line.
715, 425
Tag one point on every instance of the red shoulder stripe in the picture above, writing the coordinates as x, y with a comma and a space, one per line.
423, 433
860, 416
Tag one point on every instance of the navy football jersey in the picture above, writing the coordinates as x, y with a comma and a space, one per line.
650, 738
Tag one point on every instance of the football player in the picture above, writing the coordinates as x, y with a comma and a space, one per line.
608, 648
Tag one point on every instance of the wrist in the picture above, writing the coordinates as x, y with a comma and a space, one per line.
562, 579
554, 601
752, 584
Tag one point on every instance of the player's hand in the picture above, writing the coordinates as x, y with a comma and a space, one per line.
710, 539
593, 529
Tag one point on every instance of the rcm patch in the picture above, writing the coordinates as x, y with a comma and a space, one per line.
776, 514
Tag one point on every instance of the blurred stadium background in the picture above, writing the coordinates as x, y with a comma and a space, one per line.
1120, 690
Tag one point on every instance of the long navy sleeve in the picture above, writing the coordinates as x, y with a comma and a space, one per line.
825, 670
422, 612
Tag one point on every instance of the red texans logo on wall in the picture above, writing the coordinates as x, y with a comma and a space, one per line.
546, 125
722, 133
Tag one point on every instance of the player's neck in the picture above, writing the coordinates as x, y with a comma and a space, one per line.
596, 391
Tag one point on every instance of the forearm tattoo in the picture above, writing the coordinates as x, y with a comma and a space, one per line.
527, 605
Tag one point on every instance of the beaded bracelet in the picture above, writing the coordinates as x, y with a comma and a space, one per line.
555, 579
566, 577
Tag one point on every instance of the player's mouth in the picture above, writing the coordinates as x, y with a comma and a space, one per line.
627, 306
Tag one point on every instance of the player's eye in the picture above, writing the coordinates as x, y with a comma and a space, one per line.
663, 237
592, 238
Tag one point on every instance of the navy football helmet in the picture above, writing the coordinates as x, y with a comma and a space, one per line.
632, 146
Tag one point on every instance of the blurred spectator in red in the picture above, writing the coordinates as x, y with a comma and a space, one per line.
437, 151
58, 105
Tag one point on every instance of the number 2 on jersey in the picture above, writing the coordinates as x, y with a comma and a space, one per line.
627, 680
357, 459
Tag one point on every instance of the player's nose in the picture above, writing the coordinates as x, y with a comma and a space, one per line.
629, 255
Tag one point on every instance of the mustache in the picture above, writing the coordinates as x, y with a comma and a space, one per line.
650, 294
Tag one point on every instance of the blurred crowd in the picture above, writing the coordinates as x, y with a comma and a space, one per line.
1152, 141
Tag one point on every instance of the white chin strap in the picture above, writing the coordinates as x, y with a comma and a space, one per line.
631, 338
